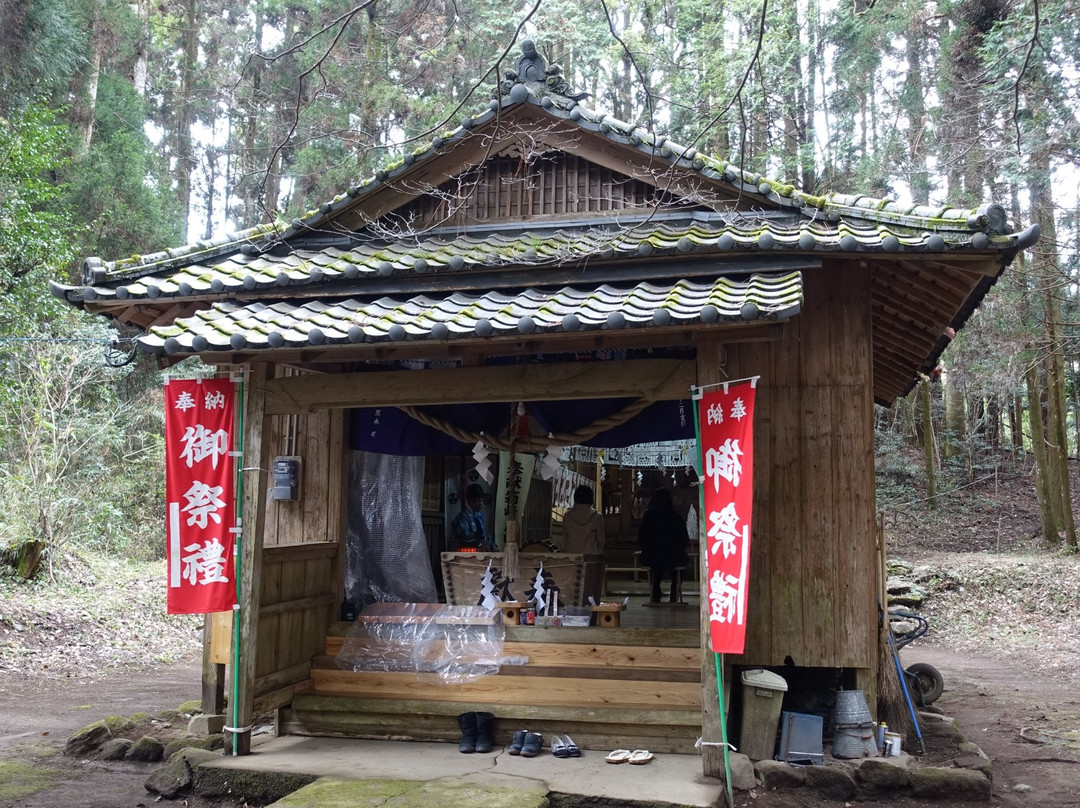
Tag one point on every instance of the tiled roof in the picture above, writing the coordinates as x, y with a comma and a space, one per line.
229, 326
682, 236
332, 276
856, 215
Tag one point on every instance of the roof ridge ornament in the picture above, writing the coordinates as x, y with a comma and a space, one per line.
538, 76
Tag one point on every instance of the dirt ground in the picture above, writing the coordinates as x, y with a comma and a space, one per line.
1029, 725
1005, 617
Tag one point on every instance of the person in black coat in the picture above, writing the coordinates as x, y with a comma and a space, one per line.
664, 541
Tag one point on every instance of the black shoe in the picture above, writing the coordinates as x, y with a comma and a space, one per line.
484, 741
534, 742
467, 722
518, 741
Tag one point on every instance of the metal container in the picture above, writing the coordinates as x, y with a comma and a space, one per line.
854, 735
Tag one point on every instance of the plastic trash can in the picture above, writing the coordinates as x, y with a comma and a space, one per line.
763, 699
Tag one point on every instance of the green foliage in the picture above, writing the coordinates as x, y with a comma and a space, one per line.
119, 188
42, 45
899, 474
79, 465
36, 230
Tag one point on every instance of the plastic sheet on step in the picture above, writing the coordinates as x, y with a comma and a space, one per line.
456, 643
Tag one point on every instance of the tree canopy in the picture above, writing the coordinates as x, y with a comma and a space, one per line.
128, 127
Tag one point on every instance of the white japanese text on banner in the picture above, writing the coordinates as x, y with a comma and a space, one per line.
199, 495
726, 422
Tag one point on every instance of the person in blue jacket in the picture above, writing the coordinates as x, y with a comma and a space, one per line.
469, 528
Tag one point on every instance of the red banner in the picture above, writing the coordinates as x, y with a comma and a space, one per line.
199, 495
726, 441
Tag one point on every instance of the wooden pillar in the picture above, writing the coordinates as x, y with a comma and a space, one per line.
213, 673
256, 467
710, 358
338, 498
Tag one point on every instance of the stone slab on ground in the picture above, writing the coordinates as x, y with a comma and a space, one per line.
667, 779
331, 792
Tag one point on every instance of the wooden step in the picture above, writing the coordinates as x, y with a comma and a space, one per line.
560, 653
561, 671
662, 730
568, 691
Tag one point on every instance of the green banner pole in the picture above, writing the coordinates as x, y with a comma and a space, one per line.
236, 567
703, 549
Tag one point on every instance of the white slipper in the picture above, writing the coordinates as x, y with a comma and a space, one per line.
619, 756
640, 756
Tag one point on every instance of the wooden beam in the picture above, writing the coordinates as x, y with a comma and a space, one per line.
299, 605
654, 379
471, 349
253, 510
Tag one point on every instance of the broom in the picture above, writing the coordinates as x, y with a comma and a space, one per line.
892, 704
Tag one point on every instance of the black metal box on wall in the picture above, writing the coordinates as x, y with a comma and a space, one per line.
286, 472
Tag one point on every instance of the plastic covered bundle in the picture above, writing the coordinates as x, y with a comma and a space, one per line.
386, 552
457, 643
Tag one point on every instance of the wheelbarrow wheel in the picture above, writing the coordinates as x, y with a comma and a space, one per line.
930, 682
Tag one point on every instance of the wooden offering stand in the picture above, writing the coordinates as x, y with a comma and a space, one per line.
511, 611
607, 614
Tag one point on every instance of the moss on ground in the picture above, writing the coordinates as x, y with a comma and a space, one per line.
192, 707
18, 780
332, 793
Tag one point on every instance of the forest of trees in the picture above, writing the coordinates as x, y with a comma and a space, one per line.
127, 127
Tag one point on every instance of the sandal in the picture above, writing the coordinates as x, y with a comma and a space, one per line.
619, 756
640, 756
572, 749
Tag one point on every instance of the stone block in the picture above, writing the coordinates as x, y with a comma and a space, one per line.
831, 783
956, 784
742, 772
882, 774
172, 747
777, 774
146, 750
87, 740
203, 724
976, 764
114, 749
940, 731
177, 774
969, 748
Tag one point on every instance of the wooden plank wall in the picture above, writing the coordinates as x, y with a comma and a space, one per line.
318, 440
294, 614
813, 587
553, 184
301, 557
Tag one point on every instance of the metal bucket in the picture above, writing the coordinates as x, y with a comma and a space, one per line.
854, 726
851, 709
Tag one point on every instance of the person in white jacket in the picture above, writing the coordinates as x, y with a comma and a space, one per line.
583, 532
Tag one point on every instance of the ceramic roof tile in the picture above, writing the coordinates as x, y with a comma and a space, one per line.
530, 248
230, 326
557, 101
